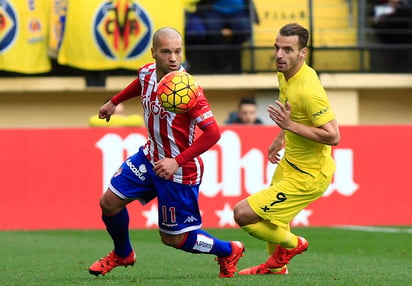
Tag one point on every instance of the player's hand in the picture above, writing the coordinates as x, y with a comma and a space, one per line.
280, 114
106, 111
165, 168
273, 152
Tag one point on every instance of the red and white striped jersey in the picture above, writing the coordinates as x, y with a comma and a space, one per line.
169, 134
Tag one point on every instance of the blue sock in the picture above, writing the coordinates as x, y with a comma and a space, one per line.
118, 228
199, 241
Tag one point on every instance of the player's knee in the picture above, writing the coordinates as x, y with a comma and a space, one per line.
238, 215
243, 214
108, 207
171, 240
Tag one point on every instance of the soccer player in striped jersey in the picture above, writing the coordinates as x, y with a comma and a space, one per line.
168, 167
308, 129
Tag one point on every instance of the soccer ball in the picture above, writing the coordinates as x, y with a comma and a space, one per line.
177, 91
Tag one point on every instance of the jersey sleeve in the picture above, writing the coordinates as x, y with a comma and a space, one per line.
201, 112
318, 108
209, 137
134, 89
205, 120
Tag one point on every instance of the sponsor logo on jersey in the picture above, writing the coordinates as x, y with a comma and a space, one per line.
320, 112
139, 172
169, 224
122, 30
35, 30
204, 116
190, 219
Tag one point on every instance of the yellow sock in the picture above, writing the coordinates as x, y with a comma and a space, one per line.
274, 270
272, 233
270, 247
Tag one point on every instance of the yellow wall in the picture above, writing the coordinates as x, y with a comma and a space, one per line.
67, 102
334, 25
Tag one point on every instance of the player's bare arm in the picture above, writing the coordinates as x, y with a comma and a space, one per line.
274, 148
106, 111
326, 134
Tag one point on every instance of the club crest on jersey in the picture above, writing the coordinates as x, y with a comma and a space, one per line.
118, 172
8, 25
122, 29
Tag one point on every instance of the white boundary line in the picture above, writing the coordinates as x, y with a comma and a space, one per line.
375, 228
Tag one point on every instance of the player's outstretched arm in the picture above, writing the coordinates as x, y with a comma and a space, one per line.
106, 111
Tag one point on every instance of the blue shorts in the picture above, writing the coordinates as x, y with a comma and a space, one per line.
178, 208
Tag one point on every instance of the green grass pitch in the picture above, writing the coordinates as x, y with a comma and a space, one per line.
335, 257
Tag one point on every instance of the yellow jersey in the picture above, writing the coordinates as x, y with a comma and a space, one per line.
309, 106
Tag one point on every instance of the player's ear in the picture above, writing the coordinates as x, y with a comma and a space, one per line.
153, 53
302, 53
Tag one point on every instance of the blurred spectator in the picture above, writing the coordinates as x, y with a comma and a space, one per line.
384, 8
118, 119
227, 22
195, 35
195, 31
246, 113
392, 21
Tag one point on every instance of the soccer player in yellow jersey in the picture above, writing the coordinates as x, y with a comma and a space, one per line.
308, 129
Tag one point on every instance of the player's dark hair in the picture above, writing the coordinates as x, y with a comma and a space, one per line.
247, 100
294, 29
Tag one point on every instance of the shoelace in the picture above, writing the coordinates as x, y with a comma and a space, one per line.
284, 256
226, 266
107, 261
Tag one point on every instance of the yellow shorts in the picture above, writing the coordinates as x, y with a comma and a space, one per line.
289, 192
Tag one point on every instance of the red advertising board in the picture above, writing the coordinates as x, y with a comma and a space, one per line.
53, 178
